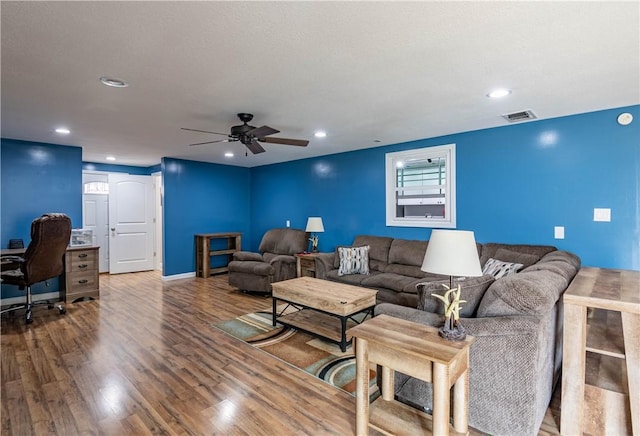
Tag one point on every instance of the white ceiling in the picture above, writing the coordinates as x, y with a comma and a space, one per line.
363, 71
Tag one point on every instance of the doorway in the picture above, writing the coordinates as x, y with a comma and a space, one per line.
124, 211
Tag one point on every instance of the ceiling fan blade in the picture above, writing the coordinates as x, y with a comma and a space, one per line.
211, 142
286, 141
255, 147
203, 131
259, 132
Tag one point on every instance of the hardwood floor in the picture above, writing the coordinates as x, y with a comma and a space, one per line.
145, 359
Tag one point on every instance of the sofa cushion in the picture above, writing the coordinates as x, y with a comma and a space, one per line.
391, 281
353, 260
284, 241
351, 279
378, 251
526, 293
498, 268
489, 250
525, 259
407, 252
406, 270
472, 289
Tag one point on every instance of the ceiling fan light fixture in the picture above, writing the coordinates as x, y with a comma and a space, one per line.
114, 83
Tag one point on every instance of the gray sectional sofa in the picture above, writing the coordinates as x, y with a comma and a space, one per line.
517, 322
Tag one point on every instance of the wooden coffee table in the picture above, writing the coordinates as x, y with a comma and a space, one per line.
326, 309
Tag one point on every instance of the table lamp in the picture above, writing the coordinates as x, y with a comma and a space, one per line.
452, 253
314, 226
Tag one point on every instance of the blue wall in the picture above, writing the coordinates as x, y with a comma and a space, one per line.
201, 197
37, 178
514, 184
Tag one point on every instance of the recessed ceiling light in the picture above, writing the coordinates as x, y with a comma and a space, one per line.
110, 158
320, 134
228, 154
499, 93
63, 130
116, 83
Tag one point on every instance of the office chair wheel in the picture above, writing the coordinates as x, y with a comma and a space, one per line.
27, 317
62, 310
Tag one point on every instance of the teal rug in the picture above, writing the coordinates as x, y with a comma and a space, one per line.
319, 358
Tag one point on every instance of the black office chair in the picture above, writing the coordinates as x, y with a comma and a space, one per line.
43, 259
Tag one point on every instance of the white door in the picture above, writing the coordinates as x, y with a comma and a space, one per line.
131, 224
95, 213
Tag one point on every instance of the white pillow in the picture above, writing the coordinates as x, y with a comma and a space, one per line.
353, 260
499, 268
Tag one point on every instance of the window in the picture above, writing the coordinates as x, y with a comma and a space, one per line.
96, 188
421, 189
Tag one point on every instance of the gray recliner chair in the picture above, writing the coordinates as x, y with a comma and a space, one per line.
254, 272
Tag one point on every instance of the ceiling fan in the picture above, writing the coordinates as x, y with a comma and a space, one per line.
250, 135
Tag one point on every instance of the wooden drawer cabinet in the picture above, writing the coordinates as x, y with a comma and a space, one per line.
81, 277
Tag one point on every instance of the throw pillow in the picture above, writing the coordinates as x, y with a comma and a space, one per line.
516, 257
472, 290
353, 260
499, 268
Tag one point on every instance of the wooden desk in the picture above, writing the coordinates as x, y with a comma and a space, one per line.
80, 278
204, 253
595, 397
415, 350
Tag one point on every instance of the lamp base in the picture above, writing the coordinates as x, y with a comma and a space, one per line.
457, 333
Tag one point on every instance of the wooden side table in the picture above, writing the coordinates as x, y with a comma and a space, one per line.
306, 264
595, 397
415, 350
204, 252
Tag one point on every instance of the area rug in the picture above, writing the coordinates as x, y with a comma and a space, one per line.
301, 350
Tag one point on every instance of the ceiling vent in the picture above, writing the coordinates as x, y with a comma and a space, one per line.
520, 116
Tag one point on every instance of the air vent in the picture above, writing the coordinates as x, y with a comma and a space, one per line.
520, 116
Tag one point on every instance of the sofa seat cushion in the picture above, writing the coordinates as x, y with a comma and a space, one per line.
472, 290
405, 270
252, 267
391, 281
350, 279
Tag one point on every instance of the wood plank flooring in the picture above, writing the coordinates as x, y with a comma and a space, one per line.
145, 359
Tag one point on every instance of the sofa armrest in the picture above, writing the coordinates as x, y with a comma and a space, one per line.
283, 258
477, 327
247, 255
324, 264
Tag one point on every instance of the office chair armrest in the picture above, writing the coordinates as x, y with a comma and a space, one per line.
8, 263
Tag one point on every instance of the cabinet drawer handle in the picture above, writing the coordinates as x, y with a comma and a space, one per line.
84, 265
83, 255
83, 281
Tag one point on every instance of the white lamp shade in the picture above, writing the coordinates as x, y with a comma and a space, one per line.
314, 224
452, 253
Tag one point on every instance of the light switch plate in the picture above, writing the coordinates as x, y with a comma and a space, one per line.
558, 232
602, 214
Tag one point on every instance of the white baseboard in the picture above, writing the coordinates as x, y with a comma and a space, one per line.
54, 296
178, 276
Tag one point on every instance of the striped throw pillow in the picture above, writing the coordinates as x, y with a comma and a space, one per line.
353, 260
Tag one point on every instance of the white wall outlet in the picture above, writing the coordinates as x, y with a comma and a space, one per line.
288, 223
602, 214
558, 232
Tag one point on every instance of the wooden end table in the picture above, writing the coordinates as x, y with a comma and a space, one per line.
415, 350
306, 264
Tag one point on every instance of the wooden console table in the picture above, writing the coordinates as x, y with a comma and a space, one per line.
204, 252
416, 350
600, 353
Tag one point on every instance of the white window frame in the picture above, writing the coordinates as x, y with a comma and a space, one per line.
448, 152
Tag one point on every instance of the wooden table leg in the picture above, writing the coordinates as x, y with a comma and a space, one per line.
631, 332
362, 386
461, 402
441, 404
573, 369
387, 383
